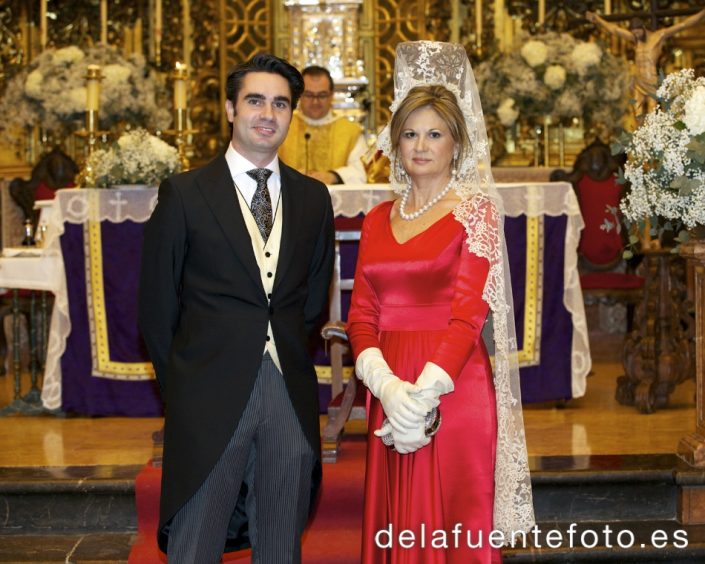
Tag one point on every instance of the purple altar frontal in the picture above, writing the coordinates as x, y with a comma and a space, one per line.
105, 368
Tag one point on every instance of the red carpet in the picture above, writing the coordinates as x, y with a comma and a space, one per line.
332, 536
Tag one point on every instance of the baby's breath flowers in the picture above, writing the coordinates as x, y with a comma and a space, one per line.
136, 158
665, 167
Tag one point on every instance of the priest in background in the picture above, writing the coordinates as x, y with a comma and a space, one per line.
320, 143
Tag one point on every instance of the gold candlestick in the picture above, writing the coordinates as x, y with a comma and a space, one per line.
91, 132
181, 130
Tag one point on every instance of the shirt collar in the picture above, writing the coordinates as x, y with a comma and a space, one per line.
240, 165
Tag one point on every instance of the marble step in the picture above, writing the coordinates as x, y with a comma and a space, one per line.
566, 489
103, 548
73, 508
611, 487
77, 499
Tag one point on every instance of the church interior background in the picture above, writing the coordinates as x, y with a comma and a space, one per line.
354, 39
627, 449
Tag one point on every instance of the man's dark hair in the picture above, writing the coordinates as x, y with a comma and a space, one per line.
264, 62
315, 70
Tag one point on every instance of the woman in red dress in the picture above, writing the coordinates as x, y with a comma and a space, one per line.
432, 265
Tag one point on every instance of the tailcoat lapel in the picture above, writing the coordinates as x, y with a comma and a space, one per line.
293, 201
216, 185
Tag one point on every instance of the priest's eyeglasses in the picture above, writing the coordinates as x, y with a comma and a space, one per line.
319, 96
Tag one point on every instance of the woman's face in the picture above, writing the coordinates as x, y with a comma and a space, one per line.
426, 146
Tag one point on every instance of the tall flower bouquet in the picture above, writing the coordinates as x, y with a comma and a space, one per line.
554, 74
665, 165
50, 91
135, 158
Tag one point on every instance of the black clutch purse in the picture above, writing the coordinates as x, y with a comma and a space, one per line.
433, 423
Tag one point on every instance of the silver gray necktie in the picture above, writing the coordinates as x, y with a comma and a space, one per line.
261, 202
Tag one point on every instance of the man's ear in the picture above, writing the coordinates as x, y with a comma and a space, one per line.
230, 110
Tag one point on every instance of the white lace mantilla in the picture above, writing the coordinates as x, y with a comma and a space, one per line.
513, 507
481, 211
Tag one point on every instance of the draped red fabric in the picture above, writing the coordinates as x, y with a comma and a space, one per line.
598, 246
611, 280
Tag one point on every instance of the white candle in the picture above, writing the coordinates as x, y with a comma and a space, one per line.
608, 7
151, 40
158, 21
454, 24
43, 24
126, 41
180, 77
93, 88
542, 11
478, 22
137, 37
499, 23
508, 33
104, 22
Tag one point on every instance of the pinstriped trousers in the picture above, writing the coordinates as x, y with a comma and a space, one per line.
269, 449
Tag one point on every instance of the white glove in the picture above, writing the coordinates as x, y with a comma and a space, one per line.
432, 383
403, 411
405, 442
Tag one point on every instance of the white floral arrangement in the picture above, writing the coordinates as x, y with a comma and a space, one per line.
556, 75
137, 157
51, 91
665, 165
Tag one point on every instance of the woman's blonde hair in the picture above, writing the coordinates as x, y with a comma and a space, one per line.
445, 104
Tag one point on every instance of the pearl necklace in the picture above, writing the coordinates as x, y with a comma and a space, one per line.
422, 210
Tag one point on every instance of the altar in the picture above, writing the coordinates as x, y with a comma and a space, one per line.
96, 362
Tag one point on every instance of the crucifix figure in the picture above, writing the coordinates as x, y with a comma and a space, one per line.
647, 50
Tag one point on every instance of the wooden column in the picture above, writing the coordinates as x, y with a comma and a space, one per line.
692, 446
658, 354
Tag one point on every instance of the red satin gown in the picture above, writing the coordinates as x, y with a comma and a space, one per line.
421, 301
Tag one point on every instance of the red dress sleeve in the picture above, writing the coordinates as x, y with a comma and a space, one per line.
468, 309
363, 316
468, 314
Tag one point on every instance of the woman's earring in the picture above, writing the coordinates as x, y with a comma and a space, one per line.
456, 164
400, 173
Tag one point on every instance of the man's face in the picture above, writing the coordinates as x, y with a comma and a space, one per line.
260, 116
317, 97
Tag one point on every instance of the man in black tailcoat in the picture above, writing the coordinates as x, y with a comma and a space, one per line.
236, 265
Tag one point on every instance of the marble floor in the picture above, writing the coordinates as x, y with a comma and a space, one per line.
592, 425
